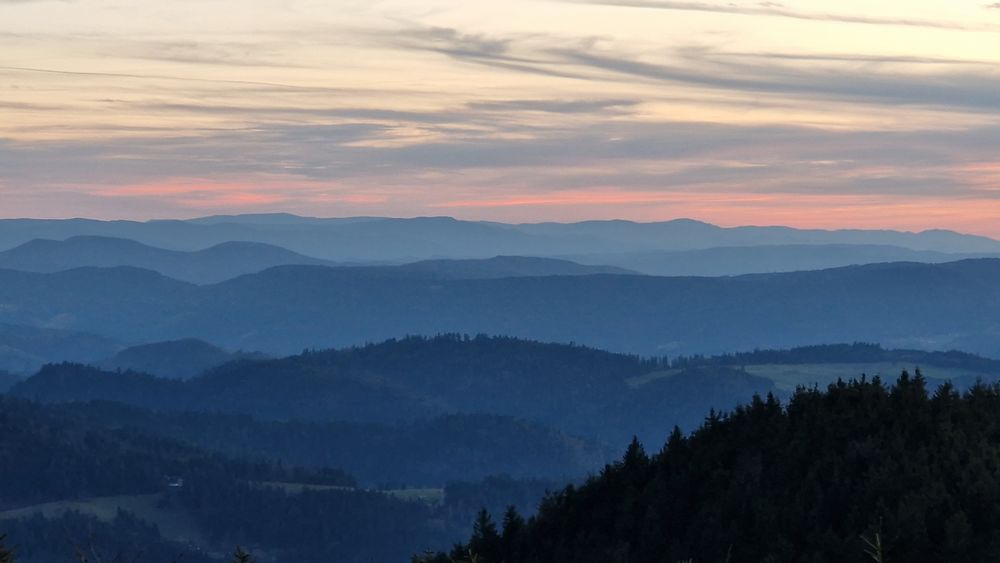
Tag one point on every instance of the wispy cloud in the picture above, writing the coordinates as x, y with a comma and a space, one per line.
555, 106
948, 88
778, 10
171, 77
478, 49
454, 106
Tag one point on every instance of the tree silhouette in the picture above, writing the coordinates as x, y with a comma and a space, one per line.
6, 555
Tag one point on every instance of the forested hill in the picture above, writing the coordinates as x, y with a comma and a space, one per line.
815, 480
856, 353
176, 359
50, 454
284, 310
204, 503
577, 390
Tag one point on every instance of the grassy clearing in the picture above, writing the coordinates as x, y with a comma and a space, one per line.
789, 376
429, 495
297, 488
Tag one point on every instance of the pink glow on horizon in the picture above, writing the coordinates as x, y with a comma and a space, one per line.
975, 216
193, 197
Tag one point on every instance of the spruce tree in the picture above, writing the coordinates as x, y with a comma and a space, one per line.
6, 555
486, 542
513, 528
240, 556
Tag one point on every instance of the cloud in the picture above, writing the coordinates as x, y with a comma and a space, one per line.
476, 49
950, 89
947, 83
852, 58
215, 53
778, 10
279, 86
583, 168
555, 106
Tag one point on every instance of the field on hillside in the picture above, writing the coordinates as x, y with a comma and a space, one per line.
426, 495
789, 376
173, 524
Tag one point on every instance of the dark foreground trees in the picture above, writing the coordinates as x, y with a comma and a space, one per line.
834, 476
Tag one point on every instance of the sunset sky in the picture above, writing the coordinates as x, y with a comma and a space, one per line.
806, 112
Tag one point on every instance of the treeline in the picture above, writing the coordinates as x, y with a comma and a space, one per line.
322, 524
312, 525
857, 352
285, 513
7, 380
576, 390
78, 538
840, 475
422, 453
47, 455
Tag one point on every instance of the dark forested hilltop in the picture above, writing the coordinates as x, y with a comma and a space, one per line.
571, 389
577, 390
816, 480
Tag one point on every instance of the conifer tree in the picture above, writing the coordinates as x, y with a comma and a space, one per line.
6, 555
486, 542
240, 556
513, 528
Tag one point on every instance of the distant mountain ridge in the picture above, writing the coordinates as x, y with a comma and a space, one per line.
408, 240
177, 359
509, 267
739, 260
24, 349
233, 259
286, 309
214, 264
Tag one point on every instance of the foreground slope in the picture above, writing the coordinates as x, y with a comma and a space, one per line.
807, 482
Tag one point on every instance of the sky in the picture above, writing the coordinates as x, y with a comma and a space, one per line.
807, 113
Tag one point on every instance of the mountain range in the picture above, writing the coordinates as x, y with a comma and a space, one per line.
23, 349
367, 239
214, 264
738, 260
233, 259
289, 308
